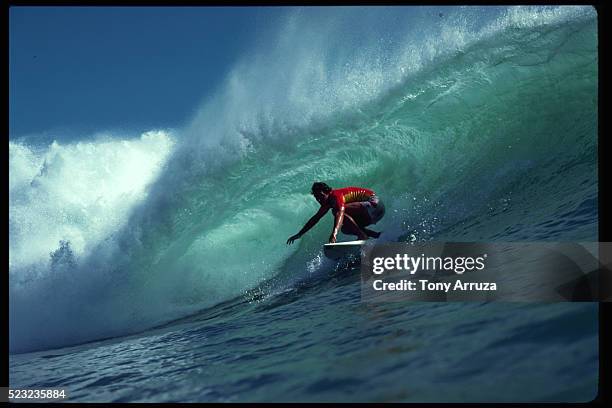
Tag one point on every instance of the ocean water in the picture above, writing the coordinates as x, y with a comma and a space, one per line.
155, 268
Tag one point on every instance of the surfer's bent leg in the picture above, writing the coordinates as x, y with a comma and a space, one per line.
358, 213
350, 227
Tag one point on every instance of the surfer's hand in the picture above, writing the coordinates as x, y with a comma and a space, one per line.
293, 238
332, 239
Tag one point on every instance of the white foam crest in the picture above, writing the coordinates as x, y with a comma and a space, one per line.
535, 16
317, 65
305, 75
79, 192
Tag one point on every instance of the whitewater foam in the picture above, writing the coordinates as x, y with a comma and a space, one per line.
79, 192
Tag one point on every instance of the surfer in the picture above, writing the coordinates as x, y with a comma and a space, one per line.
353, 208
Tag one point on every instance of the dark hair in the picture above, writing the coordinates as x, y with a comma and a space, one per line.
320, 186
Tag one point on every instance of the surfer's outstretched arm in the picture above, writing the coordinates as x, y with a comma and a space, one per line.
311, 223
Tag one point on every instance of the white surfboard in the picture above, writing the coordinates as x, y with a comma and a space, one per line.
340, 249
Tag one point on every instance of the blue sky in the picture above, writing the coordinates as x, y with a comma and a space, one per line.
76, 70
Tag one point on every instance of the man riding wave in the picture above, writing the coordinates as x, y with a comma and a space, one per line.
353, 208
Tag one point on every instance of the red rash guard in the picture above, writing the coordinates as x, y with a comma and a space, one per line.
341, 196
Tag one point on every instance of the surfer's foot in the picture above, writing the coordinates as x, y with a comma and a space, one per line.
362, 237
371, 233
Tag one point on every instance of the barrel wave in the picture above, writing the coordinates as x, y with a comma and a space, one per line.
470, 128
